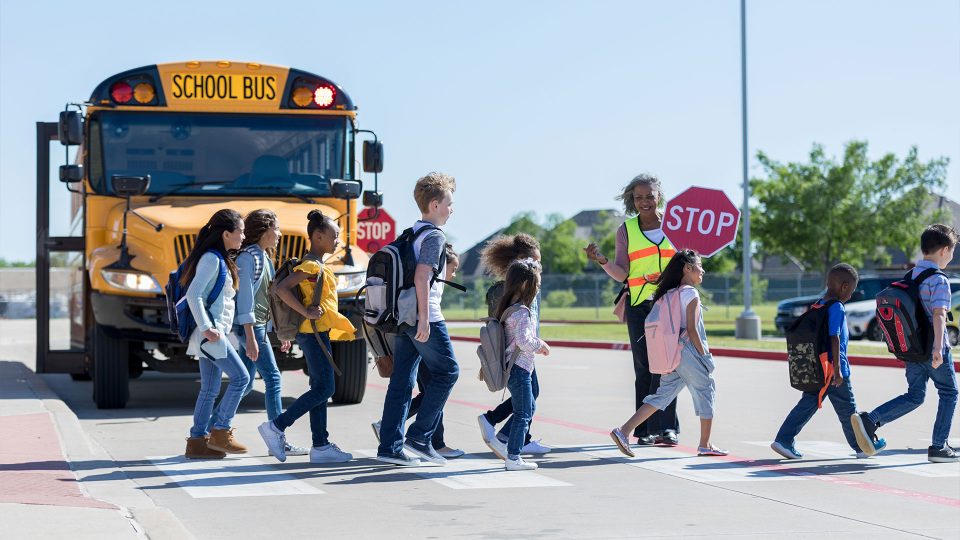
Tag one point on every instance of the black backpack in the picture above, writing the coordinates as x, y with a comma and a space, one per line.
906, 327
391, 298
808, 346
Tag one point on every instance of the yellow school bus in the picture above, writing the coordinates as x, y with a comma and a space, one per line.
163, 147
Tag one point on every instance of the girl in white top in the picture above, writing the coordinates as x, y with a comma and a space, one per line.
520, 289
209, 259
684, 271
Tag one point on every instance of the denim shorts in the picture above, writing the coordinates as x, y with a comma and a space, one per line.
694, 371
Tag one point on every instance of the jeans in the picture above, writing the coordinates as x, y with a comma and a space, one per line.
693, 372
520, 385
437, 357
210, 378
944, 380
647, 383
844, 405
423, 379
315, 399
505, 410
266, 366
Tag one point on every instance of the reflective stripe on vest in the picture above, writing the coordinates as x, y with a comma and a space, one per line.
647, 260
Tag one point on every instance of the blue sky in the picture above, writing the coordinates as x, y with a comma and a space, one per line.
542, 106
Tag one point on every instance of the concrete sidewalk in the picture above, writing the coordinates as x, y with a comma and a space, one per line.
44, 456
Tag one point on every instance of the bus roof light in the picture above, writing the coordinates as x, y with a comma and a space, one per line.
324, 96
302, 96
144, 93
121, 92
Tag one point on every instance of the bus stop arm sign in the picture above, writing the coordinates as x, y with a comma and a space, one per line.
701, 219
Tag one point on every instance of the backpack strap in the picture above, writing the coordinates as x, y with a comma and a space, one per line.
922, 276
221, 279
441, 264
315, 301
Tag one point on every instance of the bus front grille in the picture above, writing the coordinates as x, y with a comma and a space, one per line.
291, 245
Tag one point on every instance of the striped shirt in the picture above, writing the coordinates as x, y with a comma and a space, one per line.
934, 292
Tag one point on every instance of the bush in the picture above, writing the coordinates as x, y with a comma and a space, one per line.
561, 299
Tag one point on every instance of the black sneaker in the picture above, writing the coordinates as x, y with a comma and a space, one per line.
399, 459
424, 451
865, 431
646, 440
942, 455
668, 438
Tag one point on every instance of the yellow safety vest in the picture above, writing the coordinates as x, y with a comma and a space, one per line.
647, 260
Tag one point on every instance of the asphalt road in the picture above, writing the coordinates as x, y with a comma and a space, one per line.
583, 489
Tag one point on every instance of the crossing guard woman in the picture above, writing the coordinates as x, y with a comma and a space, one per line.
641, 254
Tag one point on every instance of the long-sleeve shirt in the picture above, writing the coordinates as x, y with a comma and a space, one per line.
220, 314
520, 332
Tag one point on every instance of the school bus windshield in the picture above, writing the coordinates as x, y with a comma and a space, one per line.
219, 154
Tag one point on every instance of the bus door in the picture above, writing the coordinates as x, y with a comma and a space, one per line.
60, 256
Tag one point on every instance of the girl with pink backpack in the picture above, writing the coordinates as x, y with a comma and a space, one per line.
680, 354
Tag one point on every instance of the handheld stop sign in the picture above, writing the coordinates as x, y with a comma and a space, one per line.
701, 219
373, 234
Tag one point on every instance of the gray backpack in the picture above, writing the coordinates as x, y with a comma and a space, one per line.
494, 365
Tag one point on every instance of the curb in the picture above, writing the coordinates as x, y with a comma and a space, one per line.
752, 354
146, 518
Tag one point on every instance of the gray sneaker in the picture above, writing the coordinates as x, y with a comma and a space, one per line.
330, 453
399, 459
274, 439
424, 451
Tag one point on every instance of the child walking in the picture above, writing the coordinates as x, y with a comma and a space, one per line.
496, 257
841, 283
322, 324
684, 271
207, 261
520, 288
255, 271
937, 242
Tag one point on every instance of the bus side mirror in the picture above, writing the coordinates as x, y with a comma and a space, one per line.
372, 198
130, 186
372, 156
70, 174
70, 128
345, 189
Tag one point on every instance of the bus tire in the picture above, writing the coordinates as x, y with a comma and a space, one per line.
111, 387
351, 358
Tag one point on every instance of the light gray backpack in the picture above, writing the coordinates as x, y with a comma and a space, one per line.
494, 365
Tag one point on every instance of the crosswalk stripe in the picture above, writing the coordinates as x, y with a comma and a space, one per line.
472, 472
231, 477
684, 465
915, 464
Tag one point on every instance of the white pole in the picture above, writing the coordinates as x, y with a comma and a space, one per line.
748, 324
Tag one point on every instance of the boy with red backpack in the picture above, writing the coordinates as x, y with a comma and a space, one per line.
927, 283
676, 287
842, 281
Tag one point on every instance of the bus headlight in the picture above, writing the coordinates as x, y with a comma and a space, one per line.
131, 281
350, 282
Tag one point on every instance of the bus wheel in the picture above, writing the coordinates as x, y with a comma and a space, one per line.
351, 358
111, 387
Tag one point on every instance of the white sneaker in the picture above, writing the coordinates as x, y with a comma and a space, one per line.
274, 439
519, 465
486, 429
535, 447
499, 448
294, 450
451, 453
330, 453
376, 429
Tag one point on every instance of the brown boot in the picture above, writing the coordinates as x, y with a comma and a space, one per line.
197, 449
222, 440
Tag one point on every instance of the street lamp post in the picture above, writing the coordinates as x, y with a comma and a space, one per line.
748, 323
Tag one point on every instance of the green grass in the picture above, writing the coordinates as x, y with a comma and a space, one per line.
617, 332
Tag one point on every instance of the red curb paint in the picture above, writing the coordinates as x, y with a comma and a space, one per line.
747, 462
33, 469
876, 361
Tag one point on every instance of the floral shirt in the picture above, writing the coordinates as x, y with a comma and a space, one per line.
520, 331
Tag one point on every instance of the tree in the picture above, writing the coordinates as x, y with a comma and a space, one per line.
823, 212
560, 250
525, 222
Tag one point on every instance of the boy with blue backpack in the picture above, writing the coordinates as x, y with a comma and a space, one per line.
829, 327
917, 336
421, 331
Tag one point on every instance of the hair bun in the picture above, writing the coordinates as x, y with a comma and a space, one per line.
314, 215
